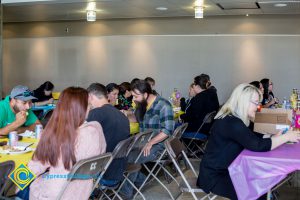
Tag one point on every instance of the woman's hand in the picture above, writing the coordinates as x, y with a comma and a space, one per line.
273, 101
292, 136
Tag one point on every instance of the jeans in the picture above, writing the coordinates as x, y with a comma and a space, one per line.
138, 177
24, 194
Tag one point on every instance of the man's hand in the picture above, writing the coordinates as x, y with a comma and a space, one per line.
21, 118
147, 149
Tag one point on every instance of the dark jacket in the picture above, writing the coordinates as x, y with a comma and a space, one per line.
229, 137
203, 103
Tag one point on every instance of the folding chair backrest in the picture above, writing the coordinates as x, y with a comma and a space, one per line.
5, 169
176, 150
46, 118
142, 138
90, 168
174, 147
209, 117
123, 147
180, 130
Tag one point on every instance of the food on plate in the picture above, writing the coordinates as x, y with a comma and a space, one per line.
9, 148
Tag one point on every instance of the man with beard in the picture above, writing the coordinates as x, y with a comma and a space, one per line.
155, 113
15, 112
115, 128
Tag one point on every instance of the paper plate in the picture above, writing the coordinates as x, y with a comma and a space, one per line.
10, 152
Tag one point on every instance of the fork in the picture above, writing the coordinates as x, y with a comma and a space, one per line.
28, 146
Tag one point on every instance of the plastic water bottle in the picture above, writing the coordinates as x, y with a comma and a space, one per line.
288, 105
284, 103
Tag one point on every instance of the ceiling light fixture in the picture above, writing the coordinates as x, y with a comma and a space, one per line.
161, 8
91, 12
199, 9
91, 15
280, 5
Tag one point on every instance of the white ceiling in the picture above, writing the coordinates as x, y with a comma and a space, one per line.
55, 10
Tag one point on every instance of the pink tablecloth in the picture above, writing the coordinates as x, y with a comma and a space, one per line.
255, 173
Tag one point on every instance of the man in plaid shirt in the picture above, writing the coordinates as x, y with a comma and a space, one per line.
155, 113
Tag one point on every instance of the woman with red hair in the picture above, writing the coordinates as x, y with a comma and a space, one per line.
66, 139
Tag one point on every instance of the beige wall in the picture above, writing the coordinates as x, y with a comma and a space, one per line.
231, 50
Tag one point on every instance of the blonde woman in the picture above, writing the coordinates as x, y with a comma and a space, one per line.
229, 136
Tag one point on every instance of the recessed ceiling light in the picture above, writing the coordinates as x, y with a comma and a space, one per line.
161, 8
247, 15
280, 5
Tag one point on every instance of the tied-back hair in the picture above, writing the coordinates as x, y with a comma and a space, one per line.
150, 80
203, 81
239, 102
256, 84
143, 87
60, 134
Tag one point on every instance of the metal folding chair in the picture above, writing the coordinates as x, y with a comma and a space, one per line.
176, 150
87, 169
179, 130
164, 160
139, 141
5, 169
161, 163
274, 193
120, 151
194, 138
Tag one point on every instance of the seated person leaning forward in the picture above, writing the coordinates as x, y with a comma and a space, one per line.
66, 139
15, 112
204, 102
230, 136
155, 113
43, 94
115, 127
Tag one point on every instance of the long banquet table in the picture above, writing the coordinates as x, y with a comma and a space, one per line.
255, 173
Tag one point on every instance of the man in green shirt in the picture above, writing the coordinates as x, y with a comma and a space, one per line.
15, 112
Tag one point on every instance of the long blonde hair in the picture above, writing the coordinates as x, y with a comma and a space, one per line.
239, 102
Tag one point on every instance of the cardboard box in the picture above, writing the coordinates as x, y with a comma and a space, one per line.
271, 121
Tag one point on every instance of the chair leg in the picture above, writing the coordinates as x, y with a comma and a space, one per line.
157, 179
132, 184
166, 172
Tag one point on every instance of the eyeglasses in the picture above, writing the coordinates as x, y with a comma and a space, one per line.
25, 94
255, 103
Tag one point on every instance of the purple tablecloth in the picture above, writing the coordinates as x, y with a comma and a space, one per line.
255, 173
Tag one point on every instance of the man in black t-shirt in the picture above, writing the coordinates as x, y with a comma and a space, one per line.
115, 127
